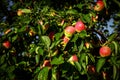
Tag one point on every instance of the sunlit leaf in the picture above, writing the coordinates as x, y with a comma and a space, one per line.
83, 34
2, 59
58, 60
37, 58
26, 10
43, 74
39, 50
112, 37
14, 38
46, 40
71, 11
78, 66
100, 64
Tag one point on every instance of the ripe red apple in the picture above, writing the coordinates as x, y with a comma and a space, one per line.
6, 44
69, 31
99, 5
79, 26
46, 63
105, 51
73, 58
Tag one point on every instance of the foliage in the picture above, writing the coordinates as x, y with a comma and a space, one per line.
32, 42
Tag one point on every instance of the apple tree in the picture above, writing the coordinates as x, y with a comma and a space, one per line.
59, 40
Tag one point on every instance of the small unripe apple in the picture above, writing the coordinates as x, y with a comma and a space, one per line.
79, 26
91, 69
99, 5
69, 31
105, 75
62, 22
19, 12
95, 18
6, 44
105, 51
87, 44
46, 63
32, 32
73, 58
65, 40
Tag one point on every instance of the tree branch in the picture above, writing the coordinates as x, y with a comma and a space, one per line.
99, 33
117, 2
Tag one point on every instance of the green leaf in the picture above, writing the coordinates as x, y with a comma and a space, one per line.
26, 10
31, 50
45, 9
116, 46
58, 35
91, 57
87, 18
58, 60
83, 34
10, 69
14, 38
43, 74
55, 43
22, 29
75, 37
112, 37
39, 50
114, 72
80, 6
54, 74
81, 46
22, 63
78, 66
100, 64
46, 40
37, 58
2, 59
71, 11
3, 67
37, 70
83, 62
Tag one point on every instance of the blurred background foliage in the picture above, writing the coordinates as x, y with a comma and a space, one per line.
31, 44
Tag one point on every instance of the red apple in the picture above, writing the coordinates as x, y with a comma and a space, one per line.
6, 44
46, 63
65, 40
99, 5
105, 51
79, 26
69, 31
51, 35
73, 58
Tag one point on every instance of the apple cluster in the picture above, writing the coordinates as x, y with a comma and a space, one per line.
70, 30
